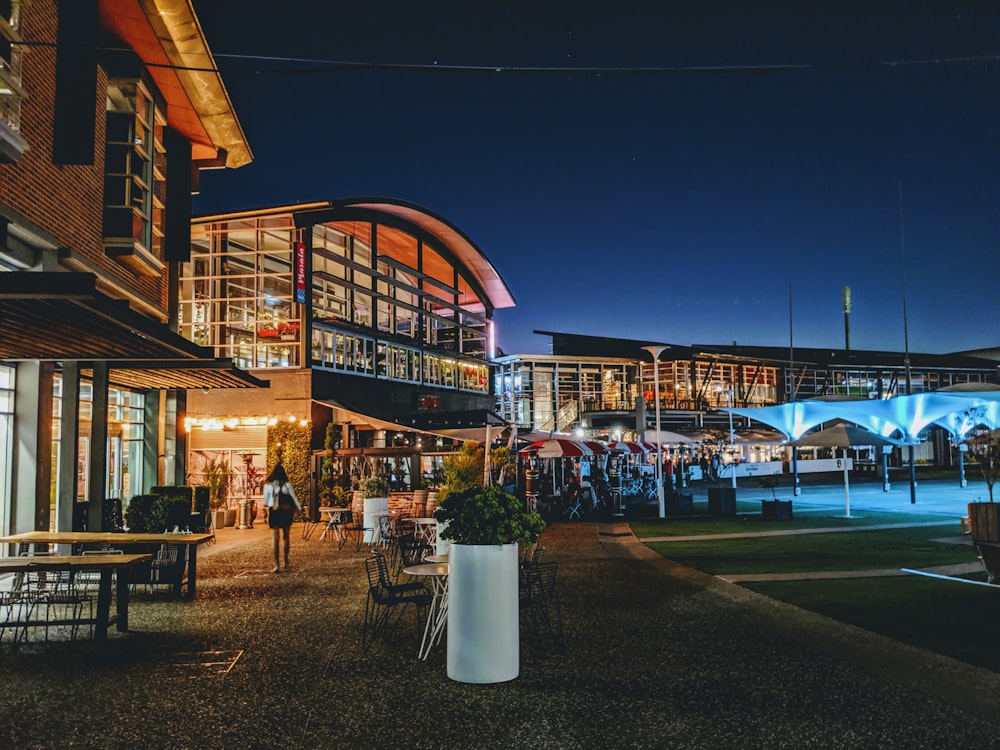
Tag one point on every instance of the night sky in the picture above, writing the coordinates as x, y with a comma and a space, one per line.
663, 171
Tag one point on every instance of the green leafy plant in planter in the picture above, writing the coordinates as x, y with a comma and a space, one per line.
463, 470
984, 517
374, 486
487, 516
217, 478
773, 508
484, 526
147, 514
984, 448
768, 482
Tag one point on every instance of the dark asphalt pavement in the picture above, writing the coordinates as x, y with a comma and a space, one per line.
658, 656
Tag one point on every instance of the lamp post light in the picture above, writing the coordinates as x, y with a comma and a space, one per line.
655, 351
732, 439
246, 514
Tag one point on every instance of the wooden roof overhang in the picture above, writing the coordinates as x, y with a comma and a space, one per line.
168, 37
181, 375
61, 316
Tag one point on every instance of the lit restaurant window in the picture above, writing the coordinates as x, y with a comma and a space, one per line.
12, 145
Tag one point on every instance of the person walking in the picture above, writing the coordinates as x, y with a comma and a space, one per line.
280, 500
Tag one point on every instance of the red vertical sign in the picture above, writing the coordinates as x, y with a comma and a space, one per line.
300, 272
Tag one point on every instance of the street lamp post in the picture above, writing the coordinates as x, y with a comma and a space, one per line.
246, 515
656, 350
732, 440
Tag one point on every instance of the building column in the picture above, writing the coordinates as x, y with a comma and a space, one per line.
32, 470
175, 461
152, 446
68, 470
97, 477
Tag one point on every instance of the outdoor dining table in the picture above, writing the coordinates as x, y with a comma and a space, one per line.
425, 529
105, 564
334, 520
122, 540
437, 615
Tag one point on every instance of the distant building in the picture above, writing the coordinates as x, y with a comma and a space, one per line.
370, 313
602, 387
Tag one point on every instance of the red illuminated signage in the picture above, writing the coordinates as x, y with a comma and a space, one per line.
300, 272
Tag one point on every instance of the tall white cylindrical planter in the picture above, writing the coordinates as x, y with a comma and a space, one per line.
374, 507
483, 636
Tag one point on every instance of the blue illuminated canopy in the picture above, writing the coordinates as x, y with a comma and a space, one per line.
957, 411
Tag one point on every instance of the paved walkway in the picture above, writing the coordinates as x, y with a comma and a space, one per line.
658, 655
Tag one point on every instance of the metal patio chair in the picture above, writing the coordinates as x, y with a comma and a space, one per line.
387, 601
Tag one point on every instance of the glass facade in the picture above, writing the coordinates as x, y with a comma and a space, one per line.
6, 441
551, 393
134, 175
877, 383
124, 446
380, 302
236, 292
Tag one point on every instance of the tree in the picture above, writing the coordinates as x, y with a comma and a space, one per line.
984, 447
464, 469
292, 440
503, 460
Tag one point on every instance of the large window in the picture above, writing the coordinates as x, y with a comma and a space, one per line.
124, 446
6, 442
237, 292
11, 91
134, 176
379, 296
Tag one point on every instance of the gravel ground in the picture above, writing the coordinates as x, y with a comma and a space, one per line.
658, 656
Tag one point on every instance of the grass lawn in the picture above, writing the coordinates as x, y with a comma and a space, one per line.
949, 617
955, 619
810, 519
848, 550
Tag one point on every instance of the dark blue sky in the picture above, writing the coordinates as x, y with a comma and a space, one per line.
674, 206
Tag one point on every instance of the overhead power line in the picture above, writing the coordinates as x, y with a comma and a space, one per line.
316, 65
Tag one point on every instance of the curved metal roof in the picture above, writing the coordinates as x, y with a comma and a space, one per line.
451, 237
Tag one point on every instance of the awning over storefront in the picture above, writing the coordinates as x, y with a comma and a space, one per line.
359, 419
454, 425
479, 425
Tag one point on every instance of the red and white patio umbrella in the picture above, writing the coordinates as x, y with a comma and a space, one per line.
628, 447
558, 448
596, 446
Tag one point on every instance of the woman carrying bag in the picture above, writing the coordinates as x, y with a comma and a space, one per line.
279, 498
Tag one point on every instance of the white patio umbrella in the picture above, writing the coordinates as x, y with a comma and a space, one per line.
844, 435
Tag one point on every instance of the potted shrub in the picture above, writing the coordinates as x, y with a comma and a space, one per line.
375, 493
217, 478
773, 508
984, 517
484, 526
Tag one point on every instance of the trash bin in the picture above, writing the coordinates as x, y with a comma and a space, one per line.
680, 503
722, 501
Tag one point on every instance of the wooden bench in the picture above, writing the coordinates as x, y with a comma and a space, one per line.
989, 553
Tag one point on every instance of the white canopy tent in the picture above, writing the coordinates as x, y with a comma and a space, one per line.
957, 410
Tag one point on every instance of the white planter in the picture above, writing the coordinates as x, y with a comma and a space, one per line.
374, 507
483, 632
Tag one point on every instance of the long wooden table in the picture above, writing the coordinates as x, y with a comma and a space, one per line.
103, 563
123, 541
